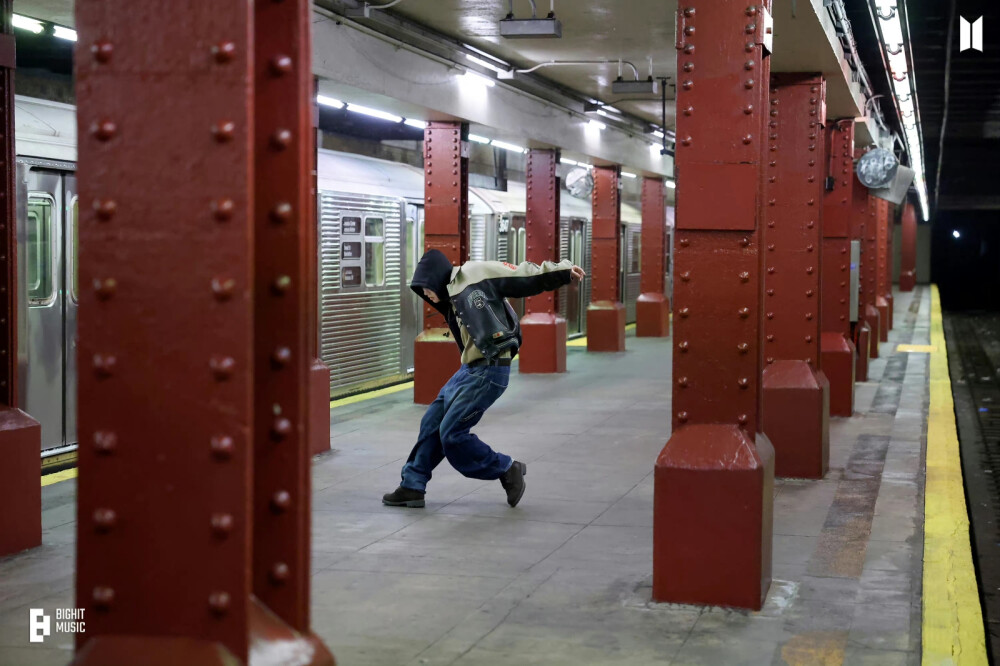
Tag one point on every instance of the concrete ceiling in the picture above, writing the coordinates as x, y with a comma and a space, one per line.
56, 11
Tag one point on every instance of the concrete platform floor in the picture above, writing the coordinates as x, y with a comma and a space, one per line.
565, 577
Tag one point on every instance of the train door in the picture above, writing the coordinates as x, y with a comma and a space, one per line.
411, 304
51, 284
622, 267
574, 295
517, 250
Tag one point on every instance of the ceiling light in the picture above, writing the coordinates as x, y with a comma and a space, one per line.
413, 122
487, 64
477, 79
25, 23
602, 112
565, 160
68, 34
374, 113
511, 27
596, 124
508, 146
478, 139
329, 101
956, 234
671, 183
628, 175
658, 134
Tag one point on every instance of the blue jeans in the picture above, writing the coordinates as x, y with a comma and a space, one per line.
444, 430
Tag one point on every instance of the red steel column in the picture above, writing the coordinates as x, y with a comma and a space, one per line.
881, 207
446, 228
193, 348
652, 310
543, 347
796, 392
20, 435
319, 374
908, 251
837, 350
606, 314
713, 495
890, 223
863, 331
868, 307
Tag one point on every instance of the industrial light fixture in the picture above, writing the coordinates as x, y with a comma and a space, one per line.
637, 87
413, 122
61, 32
487, 64
508, 146
628, 175
671, 183
476, 79
329, 101
29, 24
533, 28
478, 139
566, 160
890, 28
596, 124
658, 134
374, 113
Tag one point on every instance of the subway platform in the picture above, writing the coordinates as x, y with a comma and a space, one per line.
565, 577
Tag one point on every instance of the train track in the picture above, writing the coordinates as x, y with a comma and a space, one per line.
974, 364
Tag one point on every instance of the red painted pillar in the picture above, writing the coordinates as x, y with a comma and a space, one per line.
606, 314
194, 505
319, 374
890, 223
881, 259
446, 228
863, 332
652, 310
796, 392
868, 307
837, 349
908, 251
20, 435
713, 493
543, 331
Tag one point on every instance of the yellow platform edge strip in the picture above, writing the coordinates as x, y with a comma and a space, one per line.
56, 477
916, 349
952, 626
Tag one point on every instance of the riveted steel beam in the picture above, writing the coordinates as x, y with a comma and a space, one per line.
908, 250
837, 348
544, 332
606, 314
446, 228
652, 309
717, 461
881, 246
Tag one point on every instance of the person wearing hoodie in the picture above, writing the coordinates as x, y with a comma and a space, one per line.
472, 299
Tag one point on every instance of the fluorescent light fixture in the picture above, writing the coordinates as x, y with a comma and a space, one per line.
475, 78
956, 234
671, 183
25, 23
566, 160
508, 146
413, 122
602, 112
628, 175
658, 134
654, 149
61, 32
329, 101
610, 109
374, 113
486, 63
596, 124
478, 139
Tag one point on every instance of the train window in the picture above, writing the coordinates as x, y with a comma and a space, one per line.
41, 285
636, 264
374, 252
75, 245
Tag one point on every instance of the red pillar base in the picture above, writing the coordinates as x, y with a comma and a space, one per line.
891, 306
265, 629
907, 281
606, 327
319, 407
838, 360
543, 343
797, 419
883, 319
874, 319
435, 360
652, 316
20, 487
712, 517
863, 345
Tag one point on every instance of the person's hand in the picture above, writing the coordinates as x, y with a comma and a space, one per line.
577, 274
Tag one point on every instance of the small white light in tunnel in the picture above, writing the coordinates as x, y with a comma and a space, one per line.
566, 160
475, 79
956, 234
671, 183
478, 139
64, 33
628, 175
374, 113
413, 122
658, 134
329, 101
508, 146
596, 124
25, 23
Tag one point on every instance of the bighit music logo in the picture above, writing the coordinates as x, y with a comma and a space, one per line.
970, 35
68, 621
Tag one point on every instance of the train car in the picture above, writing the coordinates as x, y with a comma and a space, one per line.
45, 140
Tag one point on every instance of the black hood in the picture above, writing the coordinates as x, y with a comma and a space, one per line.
434, 272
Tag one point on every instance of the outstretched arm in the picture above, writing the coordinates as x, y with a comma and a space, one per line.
526, 279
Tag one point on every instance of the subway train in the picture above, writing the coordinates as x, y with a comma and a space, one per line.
370, 215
